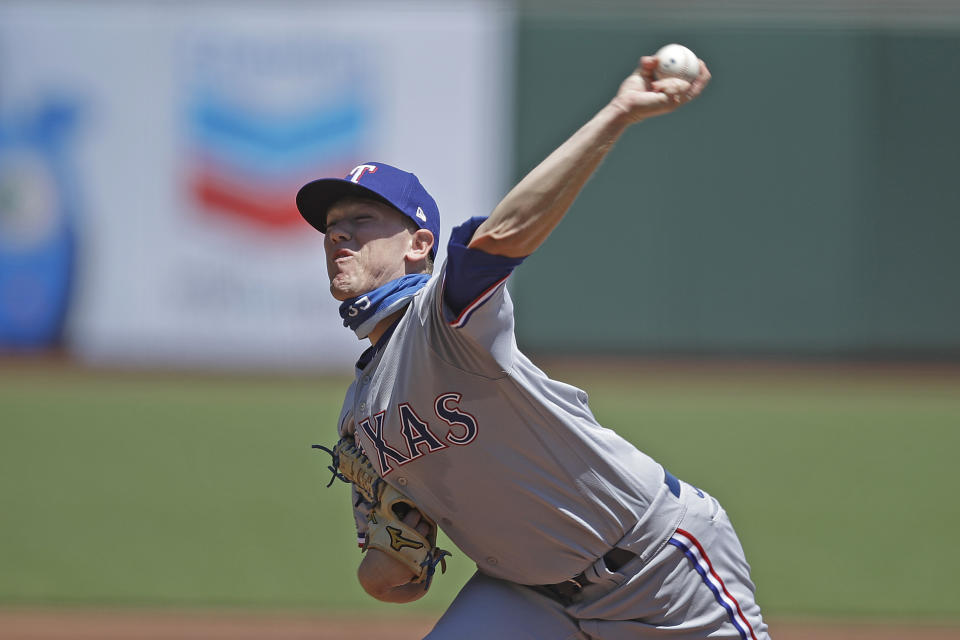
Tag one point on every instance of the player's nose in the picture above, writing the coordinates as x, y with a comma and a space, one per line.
337, 233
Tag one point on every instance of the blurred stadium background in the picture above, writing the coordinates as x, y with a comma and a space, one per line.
766, 283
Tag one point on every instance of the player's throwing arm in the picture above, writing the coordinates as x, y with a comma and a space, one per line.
527, 215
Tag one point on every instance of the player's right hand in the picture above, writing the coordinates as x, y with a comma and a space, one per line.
641, 96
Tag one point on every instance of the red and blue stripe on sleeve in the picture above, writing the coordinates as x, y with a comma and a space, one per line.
472, 276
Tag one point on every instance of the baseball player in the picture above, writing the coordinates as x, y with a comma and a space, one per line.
576, 534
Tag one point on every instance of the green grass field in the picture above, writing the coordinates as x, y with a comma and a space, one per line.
191, 490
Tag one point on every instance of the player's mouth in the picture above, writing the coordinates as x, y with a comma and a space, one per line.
340, 255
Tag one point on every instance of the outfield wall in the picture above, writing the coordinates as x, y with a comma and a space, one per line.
806, 205
150, 152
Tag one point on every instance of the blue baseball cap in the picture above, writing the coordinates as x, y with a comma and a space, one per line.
378, 181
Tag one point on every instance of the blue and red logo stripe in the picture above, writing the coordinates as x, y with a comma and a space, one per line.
245, 164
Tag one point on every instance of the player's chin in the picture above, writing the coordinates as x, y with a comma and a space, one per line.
341, 289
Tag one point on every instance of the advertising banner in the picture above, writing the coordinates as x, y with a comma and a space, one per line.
151, 154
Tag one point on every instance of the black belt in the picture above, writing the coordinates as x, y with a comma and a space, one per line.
564, 592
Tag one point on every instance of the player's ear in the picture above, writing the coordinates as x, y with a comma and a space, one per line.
421, 242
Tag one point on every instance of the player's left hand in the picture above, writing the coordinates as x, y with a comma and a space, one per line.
642, 96
418, 522
387, 579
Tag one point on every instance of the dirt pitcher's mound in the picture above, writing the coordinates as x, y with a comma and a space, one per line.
145, 625
205, 625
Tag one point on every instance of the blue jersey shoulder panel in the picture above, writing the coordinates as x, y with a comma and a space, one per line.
471, 272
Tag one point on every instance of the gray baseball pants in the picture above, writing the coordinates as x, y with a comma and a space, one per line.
697, 586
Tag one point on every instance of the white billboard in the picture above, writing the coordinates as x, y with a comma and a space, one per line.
180, 134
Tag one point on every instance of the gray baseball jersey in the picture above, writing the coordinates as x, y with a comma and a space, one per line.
516, 470
510, 463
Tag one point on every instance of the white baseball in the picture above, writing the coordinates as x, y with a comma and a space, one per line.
676, 61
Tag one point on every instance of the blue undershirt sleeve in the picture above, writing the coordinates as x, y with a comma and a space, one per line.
471, 272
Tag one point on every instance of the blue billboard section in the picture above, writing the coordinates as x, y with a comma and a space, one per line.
38, 216
260, 144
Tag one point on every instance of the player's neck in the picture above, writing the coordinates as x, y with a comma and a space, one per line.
383, 325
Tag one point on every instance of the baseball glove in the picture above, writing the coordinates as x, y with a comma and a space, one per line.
386, 530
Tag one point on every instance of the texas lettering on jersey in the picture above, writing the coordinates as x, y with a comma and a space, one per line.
418, 438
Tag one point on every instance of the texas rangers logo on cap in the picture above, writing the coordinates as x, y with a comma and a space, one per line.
357, 172
400, 189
